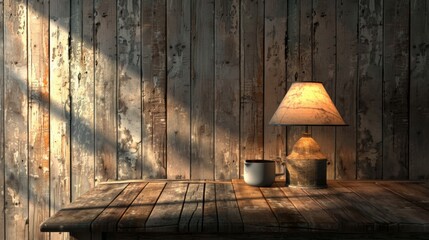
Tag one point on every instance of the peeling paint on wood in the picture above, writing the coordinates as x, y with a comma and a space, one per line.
82, 97
59, 107
346, 87
2, 126
276, 23
252, 81
324, 52
16, 120
105, 90
129, 90
227, 89
419, 90
38, 116
369, 105
202, 90
154, 88
178, 89
396, 89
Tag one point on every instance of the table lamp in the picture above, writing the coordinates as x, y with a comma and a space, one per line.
306, 104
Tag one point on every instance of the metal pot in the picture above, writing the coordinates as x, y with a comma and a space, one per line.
260, 173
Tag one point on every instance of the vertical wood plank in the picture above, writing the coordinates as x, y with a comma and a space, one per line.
396, 89
82, 97
105, 90
129, 89
324, 71
369, 105
274, 77
191, 218
154, 138
202, 90
419, 89
227, 89
2, 123
178, 89
16, 117
210, 216
252, 81
346, 82
38, 116
59, 107
229, 218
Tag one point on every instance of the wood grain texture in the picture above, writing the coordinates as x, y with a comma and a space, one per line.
82, 97
229, 217
38, 116
369, 115
251, 81
16, 120
165, 216
105, 91
210, 216
129, 89
274, 77
137, 214
191, 218
227, 89
178, 89
324, 52
154, 129
107, 220
413, 192
202, 90
346, 87
2, 125
254, 209
60, 181
419, 90
396, 90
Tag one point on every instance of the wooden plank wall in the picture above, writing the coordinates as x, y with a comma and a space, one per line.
183, 89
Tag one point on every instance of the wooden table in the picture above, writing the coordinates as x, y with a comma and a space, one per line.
232, 209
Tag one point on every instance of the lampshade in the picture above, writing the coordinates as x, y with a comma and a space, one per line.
307, 103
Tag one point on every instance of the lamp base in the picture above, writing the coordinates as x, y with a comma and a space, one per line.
306, 165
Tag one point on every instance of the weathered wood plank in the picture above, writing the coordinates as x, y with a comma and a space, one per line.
82, 97
227, 89
324, 52
346, 87
105, 90
286, 213
316, 217
165, 215
137, 214
276, 21
79, 215
191, 218
210, 217
108, 219
16, 120
229, 218
396, 89
252, 81
419, 90
129, 89
406, 216
59, 72
370, 97
2, 125
413, 192
349, 218
299, 42
178, 89
202, 90
254, 209
154, 88
38, 116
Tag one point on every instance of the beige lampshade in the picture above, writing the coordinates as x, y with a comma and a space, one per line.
307, 103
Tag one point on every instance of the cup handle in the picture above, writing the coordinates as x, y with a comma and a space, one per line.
283, 164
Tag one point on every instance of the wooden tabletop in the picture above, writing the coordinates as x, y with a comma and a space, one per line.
233, 207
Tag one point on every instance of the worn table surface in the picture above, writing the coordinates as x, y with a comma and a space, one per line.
234, 207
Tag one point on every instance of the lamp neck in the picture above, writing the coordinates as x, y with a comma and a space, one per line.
306, 132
